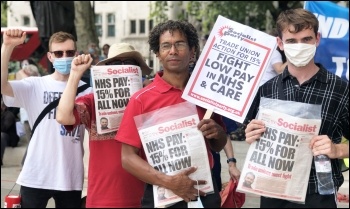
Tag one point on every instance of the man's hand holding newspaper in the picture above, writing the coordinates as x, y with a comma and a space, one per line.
183, 185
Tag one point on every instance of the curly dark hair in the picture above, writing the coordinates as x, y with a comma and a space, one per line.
184, 27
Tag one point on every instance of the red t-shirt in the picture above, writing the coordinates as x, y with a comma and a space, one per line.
156, 95
109, 185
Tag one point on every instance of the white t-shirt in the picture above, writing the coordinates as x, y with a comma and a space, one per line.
23, 116
54, 157
270, 72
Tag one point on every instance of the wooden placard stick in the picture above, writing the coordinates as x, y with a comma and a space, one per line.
208, 114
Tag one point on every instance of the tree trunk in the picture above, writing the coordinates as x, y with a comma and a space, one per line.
85, 24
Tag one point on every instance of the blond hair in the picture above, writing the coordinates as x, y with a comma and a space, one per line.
60, 37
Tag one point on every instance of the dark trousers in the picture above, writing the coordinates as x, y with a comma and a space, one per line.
38, 198
217, 169
311, 201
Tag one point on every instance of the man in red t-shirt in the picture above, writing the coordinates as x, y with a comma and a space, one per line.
174, 43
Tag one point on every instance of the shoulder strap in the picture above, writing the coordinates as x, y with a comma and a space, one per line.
54, 104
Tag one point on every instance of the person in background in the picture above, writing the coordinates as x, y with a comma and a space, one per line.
306, 81
92, 50
174, 43
105, 49
94, 53
276, 64
54, 164
109, 185
9, 135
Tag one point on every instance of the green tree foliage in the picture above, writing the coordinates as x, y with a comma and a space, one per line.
85, 24
3, 13
252, 13
158, 11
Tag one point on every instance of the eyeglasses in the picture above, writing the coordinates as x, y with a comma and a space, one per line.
123, 62
59, 54
179, 46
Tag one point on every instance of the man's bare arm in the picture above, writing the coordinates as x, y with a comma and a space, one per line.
11, 39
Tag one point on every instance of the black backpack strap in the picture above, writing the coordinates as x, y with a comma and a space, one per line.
53, 105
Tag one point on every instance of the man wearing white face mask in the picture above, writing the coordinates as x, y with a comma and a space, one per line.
308, 82
54, 162
299, 54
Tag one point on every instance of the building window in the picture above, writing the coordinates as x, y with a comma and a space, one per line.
142, 26
26, 21
111, 25
132, 26
150, 25
98, 24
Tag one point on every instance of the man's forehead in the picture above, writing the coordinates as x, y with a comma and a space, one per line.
290, 34
66, 45
170, 35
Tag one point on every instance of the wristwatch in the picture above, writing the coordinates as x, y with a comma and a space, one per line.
232, 159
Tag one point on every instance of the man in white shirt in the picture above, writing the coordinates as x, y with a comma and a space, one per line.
54, 163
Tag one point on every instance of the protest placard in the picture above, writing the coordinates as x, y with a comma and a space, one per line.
227, 74
113, 85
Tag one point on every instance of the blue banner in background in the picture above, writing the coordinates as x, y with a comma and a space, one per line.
333, 51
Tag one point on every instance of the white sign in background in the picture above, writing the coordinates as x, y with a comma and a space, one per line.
228, 71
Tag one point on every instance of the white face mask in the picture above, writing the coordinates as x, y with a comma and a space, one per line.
299, 54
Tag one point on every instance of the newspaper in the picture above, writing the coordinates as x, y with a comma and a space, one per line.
113, 86
172, 143
279, 163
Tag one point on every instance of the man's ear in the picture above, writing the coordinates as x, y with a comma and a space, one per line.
157, 55
318, 38
280, 43
193, 53
49, 56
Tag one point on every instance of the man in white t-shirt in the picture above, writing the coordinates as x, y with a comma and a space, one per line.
54, 164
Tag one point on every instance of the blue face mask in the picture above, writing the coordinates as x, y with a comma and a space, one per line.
91, 51
63, 65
